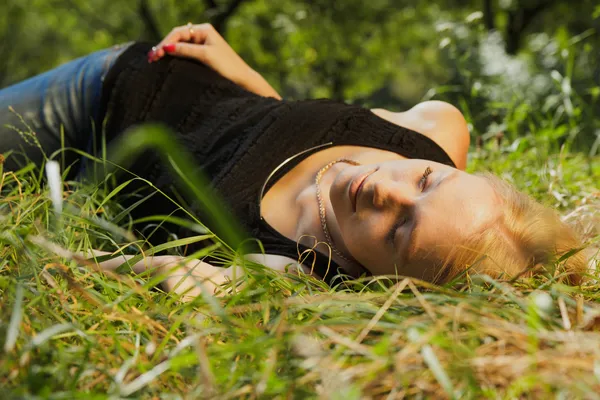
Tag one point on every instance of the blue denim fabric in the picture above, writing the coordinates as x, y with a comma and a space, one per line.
67, 97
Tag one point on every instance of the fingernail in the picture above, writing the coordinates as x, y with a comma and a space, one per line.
169, 48
150, 56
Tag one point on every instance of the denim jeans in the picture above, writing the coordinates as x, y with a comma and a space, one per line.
59, 106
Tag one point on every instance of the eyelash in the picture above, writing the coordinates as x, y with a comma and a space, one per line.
423, 180
422, 185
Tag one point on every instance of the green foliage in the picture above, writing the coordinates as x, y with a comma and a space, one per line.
68, 331
379, 53
549, 91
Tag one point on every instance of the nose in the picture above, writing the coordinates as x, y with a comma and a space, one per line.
394, 194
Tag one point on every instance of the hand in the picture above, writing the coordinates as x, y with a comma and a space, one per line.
203, 43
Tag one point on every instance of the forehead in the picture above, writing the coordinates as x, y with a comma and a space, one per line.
463, 206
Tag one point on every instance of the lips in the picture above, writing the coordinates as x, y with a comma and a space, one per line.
355, 187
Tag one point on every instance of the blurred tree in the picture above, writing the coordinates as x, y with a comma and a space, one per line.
219, 14
351, 50
519, 17
54, 31
379, 53
11, 22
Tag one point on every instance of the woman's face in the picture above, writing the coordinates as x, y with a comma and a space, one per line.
403, 217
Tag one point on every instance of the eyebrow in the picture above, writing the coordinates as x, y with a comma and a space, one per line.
415, 226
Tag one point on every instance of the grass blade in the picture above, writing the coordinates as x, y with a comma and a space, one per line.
190, 178
15, 320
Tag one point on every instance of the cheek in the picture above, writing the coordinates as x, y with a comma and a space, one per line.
426, 269
365, 240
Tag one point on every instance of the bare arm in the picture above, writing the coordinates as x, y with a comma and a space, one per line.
183, 276
203, 43
255, 83
189, 277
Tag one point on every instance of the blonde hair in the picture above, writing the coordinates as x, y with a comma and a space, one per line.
527, 237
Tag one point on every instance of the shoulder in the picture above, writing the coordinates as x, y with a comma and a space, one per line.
440, 121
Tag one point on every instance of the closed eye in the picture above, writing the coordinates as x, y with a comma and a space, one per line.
391, 235
423, 180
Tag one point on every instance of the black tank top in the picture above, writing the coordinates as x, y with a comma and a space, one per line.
238, 138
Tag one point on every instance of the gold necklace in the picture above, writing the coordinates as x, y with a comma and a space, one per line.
322, 214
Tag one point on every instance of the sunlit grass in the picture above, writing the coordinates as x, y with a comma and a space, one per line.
69, 331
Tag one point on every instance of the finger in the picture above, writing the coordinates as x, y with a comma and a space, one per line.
198, 52
186, 33
178, 34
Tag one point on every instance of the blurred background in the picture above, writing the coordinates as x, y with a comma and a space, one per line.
514, 67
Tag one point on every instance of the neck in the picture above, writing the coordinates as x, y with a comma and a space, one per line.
323, 180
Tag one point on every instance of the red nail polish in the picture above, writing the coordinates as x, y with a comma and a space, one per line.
169, 48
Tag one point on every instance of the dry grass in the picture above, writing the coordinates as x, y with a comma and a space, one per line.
69, 331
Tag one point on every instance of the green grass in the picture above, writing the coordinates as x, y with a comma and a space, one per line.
69, 331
